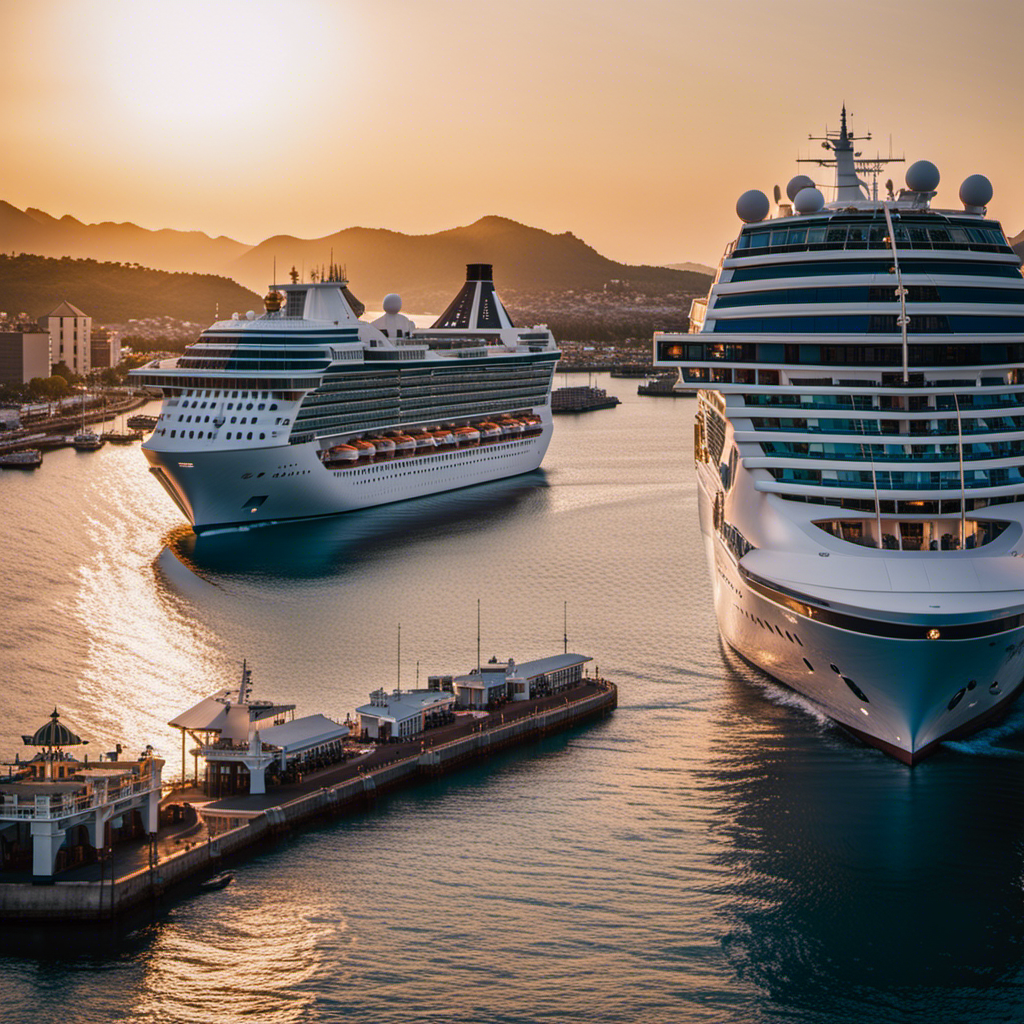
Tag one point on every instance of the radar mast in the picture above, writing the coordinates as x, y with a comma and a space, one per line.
849, 164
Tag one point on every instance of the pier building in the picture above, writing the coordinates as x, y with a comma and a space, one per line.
240, 739
497, 680
65, 811
404, 713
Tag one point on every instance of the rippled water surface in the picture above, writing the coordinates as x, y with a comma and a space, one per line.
713, 851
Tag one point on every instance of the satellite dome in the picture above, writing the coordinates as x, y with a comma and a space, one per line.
392, 303
922, 176
798, 184
250, 314
808, 200
752, 206
976, 190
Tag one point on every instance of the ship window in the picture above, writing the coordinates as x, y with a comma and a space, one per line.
174, 433
972, 684
810, 667
956, 698
249, 436
834, 669
856, 690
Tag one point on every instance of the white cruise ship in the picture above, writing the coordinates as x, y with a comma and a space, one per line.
306, 410
859, 447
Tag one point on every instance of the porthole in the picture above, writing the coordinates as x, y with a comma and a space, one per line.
857, 691
972, 684
957, 697
834, 669
810, 667
994, 688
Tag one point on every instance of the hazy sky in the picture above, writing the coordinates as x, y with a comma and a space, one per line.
633, 125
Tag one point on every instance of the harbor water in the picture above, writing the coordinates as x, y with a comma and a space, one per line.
713, 851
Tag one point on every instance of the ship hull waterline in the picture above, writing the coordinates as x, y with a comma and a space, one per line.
259, 486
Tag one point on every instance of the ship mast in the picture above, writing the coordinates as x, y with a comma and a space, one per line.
848, 164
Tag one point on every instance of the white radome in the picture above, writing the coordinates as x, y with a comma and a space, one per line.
797, 184
392, 303
922, 176
752, 206
976, 190
808, 200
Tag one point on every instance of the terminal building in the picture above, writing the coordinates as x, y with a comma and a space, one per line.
243, 740
497, 681
57, 811
405, 713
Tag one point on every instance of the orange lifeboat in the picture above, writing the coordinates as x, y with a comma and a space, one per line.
366, 449
489, 431
404, 444
340, 453
467, 435
384, 445
443, 437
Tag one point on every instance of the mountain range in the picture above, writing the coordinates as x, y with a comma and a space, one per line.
426, 270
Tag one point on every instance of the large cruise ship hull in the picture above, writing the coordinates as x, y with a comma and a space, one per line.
907, 701
221, 489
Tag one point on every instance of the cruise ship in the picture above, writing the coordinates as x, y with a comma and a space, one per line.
859, 448
306, 410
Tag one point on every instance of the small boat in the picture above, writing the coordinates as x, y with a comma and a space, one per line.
404, 444
123, 437
365, 448
30, 458
424, 440
489, 431
140, 422
225, 878
443, 437
87, 441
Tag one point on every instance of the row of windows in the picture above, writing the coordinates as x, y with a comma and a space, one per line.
871, 323
901, 481
973, 452
912, 403
873, 235
968, 425
871, 293
955, 268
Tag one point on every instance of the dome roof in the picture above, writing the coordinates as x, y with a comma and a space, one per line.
53, 734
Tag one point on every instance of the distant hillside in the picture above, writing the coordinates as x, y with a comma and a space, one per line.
114, 293
1017, 243
694, 268
428, 269
37, 232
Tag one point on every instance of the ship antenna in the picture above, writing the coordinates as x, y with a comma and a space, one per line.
398, 691
478, 634
565, 627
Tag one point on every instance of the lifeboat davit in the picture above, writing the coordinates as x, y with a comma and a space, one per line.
366, 449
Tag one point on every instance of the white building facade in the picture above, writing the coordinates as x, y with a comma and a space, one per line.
70, 333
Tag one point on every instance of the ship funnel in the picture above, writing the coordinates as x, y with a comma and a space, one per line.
477, 306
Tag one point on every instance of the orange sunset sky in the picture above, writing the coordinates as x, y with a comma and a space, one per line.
633, 125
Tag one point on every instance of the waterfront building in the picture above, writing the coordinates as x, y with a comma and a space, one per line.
498, 680
240, 739
24, 353
57, 811
70, 332
404, 713
105, 348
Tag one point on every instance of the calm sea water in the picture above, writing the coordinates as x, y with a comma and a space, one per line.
713, 851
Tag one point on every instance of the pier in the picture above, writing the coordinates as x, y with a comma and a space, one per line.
199, 836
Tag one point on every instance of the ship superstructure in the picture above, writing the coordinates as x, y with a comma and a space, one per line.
307, 410
859, 446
